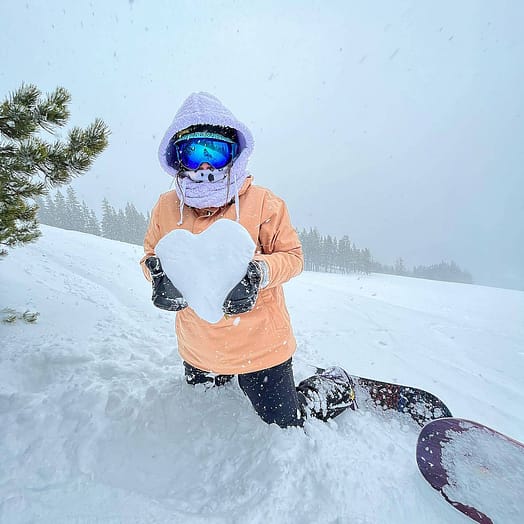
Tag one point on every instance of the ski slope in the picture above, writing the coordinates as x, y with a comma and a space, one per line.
98, 426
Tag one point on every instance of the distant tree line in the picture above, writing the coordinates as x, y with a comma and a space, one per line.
66, 212
448, 272
322, 253
330, 255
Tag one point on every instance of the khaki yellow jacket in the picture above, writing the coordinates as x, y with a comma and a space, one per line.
251, 341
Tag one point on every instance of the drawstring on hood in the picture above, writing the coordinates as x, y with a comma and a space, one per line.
201, 109
181, 197
237, 203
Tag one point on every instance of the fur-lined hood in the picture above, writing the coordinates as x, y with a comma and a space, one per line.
204, 108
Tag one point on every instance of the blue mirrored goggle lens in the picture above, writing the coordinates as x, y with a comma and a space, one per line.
195, 151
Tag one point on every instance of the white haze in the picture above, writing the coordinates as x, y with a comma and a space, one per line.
397, 123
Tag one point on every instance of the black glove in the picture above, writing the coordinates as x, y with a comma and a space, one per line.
243, 296
165, 294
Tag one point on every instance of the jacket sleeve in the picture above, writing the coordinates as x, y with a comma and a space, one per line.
151, 239
280, 247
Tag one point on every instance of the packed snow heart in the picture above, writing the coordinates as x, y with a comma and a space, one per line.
205, 267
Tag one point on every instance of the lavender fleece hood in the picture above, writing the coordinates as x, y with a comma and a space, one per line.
204, 108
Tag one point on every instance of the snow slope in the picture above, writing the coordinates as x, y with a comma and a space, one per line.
97, 424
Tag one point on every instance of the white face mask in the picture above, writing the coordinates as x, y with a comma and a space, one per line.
205, 175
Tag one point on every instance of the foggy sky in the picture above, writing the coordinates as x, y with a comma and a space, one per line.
399, 123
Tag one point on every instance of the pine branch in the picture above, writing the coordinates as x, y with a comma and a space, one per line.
17, 119
24, 112
25, 156
54, 110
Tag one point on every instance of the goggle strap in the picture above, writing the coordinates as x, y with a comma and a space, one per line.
204, 134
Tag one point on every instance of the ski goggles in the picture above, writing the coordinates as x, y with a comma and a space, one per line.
196, 148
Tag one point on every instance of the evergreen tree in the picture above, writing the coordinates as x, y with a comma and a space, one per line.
29, 164
328, 251
400, 268
108, 226
344, 252
315, 249
74, 218
93, 226
42, 212
50, 215
120, 227
136, 224
366, 261
353, 259
60, 210
84, 212
90, 221
304, 240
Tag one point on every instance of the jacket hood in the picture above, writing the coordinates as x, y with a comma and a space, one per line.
204, 108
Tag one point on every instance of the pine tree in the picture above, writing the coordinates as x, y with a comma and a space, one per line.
61, 218
84, 212
136, 224
120, 225
344, 251
89, 219
74, 219
50, 211
29, 165
400, 268
315, 249
366, 261
93, 225
108, 225
42, 213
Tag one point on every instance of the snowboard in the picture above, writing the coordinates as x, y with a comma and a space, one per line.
476, 469
421, 405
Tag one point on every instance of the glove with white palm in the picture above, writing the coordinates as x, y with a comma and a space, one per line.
165, 294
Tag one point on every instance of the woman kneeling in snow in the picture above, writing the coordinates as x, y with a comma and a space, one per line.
207, 149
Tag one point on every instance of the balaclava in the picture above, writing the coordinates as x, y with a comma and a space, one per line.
198, 189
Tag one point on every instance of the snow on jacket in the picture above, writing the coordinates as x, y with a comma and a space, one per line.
263, 337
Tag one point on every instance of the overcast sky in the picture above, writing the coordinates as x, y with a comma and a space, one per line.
399, 123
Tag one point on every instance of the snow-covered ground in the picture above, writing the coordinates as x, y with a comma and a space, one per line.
98, 426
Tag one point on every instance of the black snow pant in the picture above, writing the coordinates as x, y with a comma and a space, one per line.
271, 391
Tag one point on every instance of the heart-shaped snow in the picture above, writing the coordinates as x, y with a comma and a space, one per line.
207, 266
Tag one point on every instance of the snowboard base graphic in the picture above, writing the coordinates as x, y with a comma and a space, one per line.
478, 470
421, 405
